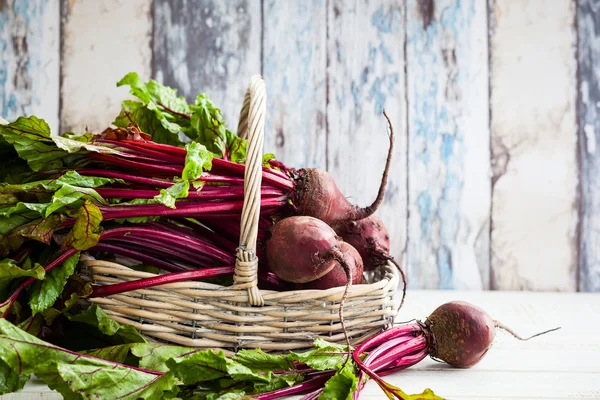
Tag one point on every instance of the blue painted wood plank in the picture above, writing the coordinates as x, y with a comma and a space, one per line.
29, 59
448, 150
366, 74
588, 30
208, 46
294, 69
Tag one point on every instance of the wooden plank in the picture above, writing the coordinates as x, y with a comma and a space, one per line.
294, 68
448, 156
365, 75
534, 145
29, 59
102, 42
588, 26
208, 46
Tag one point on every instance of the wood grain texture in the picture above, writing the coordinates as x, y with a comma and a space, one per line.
534, 145
29, 59
448, 156
588, 31
366, 54
208, 46
103, 40
294, 65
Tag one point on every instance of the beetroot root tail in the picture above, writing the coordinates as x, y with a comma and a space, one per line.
500, 325
339, 257
365, 212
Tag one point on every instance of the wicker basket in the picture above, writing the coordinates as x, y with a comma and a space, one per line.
205, 315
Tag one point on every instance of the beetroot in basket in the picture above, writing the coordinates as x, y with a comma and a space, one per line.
171, 237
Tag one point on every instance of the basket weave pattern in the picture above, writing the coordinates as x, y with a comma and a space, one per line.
205, 315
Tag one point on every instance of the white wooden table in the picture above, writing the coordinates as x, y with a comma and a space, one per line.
561, 365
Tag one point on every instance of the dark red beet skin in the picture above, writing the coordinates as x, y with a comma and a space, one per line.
318, 195
370, 237
337, 276
299, 249
462, 333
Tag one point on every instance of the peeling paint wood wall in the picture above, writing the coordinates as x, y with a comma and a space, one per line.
489, 102
208, 46
29, 59
534, 145
365, 46
101, 42
588, 25
448, 132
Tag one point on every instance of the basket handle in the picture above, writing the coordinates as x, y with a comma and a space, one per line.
251, 125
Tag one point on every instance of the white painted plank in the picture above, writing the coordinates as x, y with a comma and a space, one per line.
448, 156
208, 46
534, 139
103, 40
29, 59
294, 64
588, 23
366, 55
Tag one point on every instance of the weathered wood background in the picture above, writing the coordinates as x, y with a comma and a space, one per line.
496, 173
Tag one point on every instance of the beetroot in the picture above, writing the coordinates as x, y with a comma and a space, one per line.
463, 333
457, 332
337, 276
301, 249
370, 237
316, 193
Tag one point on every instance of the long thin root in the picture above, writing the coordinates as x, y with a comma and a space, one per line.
393, 261
362, 213
500, 325
339, 257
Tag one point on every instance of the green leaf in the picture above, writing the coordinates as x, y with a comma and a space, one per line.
31, 139
149, 121
72, 187
206, 365
325, 355
96, 317
392, 392
342, 385
10, 381
154, 356
108, 383
266, 158
43, 294
118, 353
78, 376
259, 360
168, 109
208, 127
197, 160
87, 230
40, 229
9, 270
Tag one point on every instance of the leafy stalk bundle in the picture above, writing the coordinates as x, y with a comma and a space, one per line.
163, 191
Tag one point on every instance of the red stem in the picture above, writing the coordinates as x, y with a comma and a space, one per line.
183, 209
109, 290
126, 177
57, 261
310, 384
138, 256
207, 192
